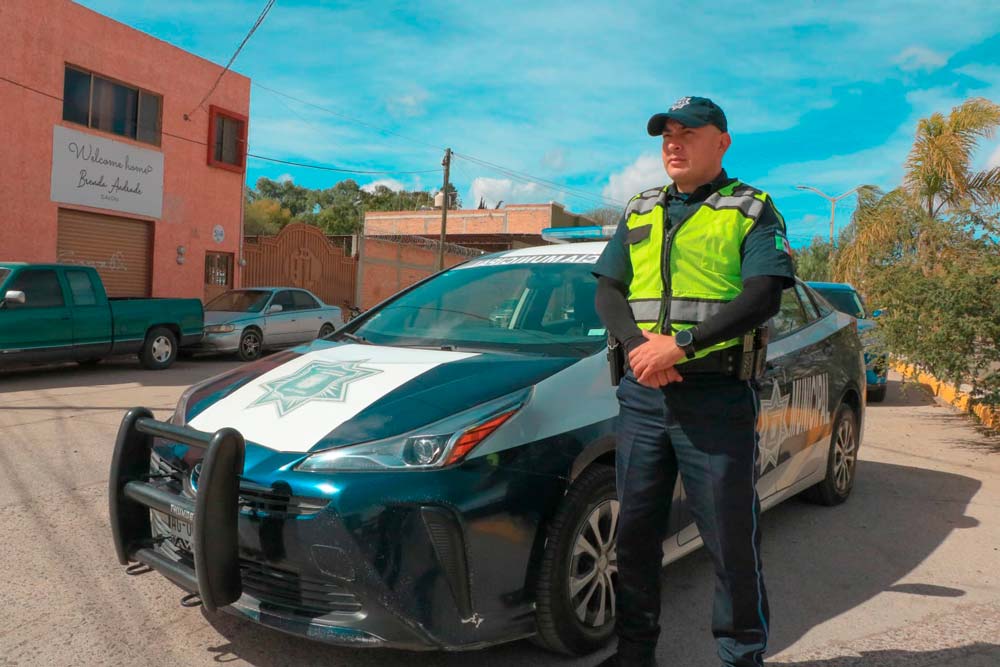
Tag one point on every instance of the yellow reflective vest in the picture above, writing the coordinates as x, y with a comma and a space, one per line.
683, 275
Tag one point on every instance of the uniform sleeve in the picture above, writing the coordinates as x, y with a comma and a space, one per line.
614, 262
765, 250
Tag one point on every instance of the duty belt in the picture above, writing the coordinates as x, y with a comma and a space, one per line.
725, 362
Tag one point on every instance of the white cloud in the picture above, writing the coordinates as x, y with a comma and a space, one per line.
919, 58
285, 178
492, 190
391, 183
646, 172
555, 159
409, 105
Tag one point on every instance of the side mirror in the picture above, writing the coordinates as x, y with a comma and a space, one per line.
878, 312
13, 296
275, 308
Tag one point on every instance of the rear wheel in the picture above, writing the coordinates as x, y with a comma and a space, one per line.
579, 570
841, 463
160, 349
251, 345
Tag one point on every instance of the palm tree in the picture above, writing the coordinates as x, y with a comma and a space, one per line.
940, 189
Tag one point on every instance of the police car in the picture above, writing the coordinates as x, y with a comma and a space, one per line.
439, 474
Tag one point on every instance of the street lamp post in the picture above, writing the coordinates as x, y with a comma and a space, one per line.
833, 202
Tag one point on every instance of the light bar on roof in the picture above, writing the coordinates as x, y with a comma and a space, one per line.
570, 234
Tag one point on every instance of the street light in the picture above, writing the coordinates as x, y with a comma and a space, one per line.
833, 201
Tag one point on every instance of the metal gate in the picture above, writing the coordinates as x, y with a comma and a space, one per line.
301, 256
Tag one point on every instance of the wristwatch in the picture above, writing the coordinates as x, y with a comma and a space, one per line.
685, 341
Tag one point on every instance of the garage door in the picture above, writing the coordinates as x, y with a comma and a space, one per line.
119, 248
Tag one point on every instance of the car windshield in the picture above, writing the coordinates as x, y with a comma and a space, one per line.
3, 275
529, 308
239, 301
846, 301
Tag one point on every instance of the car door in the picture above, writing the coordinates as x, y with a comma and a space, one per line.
40, 329
91, 316
309, 316
279, 328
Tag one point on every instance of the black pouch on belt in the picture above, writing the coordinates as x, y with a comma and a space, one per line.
616, 360
754, 354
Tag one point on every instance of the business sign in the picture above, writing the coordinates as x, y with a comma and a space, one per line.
99, 172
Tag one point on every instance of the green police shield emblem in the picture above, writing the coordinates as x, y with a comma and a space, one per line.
316, 381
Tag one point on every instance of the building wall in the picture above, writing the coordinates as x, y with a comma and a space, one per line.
385, 267
40, 37
512, 219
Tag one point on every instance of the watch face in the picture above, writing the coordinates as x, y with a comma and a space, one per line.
683, 338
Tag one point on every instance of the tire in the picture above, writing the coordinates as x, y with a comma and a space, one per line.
160, 349
876, 394
841, 462
251, 345
560, 628
326, 330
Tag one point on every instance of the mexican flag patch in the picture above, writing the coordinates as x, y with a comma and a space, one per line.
781, 243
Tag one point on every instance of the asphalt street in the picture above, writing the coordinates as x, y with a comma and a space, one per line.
906, 573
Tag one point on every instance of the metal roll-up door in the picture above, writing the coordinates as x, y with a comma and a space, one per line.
119, 248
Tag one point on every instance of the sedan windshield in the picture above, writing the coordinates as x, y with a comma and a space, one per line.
846, 301
530, 308
239, 301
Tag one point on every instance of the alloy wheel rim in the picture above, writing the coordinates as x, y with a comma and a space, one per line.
251, 344
845, 456
593, 567
162, 349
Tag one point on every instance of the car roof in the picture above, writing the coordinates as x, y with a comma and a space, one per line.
833, 287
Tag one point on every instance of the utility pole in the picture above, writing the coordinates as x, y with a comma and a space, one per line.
446, 163
833, 202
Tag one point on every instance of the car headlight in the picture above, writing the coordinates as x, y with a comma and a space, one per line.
220, 328
437, 445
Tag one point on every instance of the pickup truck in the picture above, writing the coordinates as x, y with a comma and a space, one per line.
59, 312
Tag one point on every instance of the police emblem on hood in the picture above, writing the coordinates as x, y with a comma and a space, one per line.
316, 381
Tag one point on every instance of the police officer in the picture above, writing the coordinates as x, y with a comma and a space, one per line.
690, 270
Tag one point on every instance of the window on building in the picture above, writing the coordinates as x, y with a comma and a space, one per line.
227, 139
92, 100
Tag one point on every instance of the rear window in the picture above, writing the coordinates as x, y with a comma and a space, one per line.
846, 301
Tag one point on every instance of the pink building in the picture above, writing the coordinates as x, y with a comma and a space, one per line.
109, 161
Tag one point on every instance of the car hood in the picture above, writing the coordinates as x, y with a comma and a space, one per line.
328, 394
227, 317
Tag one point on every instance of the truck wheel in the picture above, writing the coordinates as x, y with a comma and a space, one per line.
841, 463
576, 593
160, 349
250, 345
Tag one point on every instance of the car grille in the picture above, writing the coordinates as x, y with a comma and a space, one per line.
253, 498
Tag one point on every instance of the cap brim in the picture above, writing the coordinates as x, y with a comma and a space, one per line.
659, 121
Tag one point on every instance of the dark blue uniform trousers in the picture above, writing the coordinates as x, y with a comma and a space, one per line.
705, 429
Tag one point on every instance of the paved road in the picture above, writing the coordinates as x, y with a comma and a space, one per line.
906, 573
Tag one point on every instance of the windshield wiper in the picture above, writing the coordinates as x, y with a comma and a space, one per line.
351, 337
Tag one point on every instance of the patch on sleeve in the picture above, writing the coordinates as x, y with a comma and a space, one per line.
781, 243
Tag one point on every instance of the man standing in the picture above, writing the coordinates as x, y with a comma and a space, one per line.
691, 269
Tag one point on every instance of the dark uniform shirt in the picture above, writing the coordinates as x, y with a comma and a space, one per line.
765, 250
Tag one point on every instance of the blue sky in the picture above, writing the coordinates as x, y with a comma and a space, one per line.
818, 93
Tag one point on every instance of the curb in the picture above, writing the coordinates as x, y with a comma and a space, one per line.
990, 417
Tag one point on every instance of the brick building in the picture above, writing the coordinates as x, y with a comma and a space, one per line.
511, 219
108, 159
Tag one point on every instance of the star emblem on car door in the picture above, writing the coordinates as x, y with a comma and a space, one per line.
316, 381
773, 426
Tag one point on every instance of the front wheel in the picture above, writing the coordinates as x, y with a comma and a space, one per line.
251, 345
579, 570
326, 330
160, 349
841, 463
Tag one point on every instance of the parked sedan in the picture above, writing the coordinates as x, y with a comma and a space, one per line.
435, 477
249, 321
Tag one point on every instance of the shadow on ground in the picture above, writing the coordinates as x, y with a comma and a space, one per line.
973, 655
819, 563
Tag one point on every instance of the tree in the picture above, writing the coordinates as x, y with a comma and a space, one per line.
927, 251
265, 216
814, 261
604, 215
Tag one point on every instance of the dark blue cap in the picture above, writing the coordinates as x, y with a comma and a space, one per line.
689, 112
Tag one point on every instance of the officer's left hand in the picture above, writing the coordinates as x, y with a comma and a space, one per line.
657, 354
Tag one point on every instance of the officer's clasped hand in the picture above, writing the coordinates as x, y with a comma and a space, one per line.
653, 361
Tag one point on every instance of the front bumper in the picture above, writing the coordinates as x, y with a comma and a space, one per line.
876, 368
417, 571
218, 343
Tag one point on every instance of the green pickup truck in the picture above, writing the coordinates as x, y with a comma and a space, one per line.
58, 312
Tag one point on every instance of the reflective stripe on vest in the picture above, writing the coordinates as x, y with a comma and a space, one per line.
704, 261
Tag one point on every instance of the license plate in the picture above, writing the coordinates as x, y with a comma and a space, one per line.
180, 531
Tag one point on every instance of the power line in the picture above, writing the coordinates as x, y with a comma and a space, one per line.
253, 29
338, 169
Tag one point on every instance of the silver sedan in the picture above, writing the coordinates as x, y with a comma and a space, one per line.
249, 321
